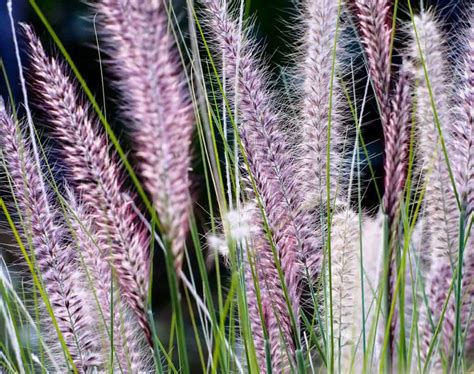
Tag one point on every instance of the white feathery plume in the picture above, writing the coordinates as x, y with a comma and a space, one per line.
321, 100
345, 259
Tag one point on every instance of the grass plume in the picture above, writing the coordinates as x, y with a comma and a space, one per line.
94, 174
144, 58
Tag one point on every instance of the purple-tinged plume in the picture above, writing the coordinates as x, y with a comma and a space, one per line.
114, 317
468, 294
43, 229
437, 291
94, 174
156, 104
267, 148
255, 263
262, 274
397, 141
375, 28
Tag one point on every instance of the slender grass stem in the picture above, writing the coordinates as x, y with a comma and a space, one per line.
458, 294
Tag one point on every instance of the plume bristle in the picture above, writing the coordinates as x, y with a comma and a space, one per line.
321, 102
115, 318
156, 104
441, 211
56, 261
94, 174
375, 27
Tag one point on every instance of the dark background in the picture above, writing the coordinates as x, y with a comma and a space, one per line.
71, 19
